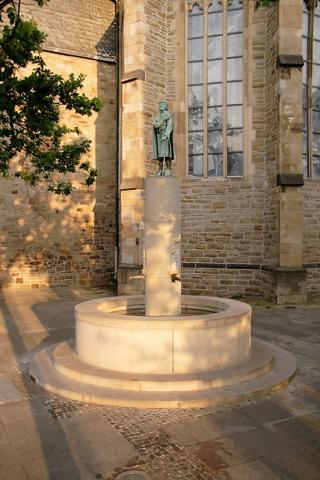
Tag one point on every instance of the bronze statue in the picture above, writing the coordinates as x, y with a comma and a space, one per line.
162, 139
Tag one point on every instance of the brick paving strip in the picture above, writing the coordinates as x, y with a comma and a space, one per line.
45, 437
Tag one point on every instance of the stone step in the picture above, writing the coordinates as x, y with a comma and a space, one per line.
67, 363
44, 373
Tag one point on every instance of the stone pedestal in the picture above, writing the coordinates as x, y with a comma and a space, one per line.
162, 246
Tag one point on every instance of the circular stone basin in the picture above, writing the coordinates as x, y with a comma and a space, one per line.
110, 336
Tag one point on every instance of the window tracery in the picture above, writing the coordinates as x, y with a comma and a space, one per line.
311, 89
215, 88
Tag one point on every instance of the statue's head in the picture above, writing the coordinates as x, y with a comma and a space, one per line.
163, 105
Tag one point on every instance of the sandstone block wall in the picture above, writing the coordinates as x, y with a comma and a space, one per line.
228, 225
50, 240
77, 27
311, 238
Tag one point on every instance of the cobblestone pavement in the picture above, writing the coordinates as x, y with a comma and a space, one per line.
45, 437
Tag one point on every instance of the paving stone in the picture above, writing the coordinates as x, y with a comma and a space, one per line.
96, 444
8, 392
296, 406
3, 434
266, 411
54, 438
210, 427
9, 353
14, 472
22, 410
304, 430
282, 455
62, 469
221, 453
252, 471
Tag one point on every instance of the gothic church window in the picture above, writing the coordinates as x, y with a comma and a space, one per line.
215, 88
311, 89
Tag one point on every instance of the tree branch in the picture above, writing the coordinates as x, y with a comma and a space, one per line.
3, 4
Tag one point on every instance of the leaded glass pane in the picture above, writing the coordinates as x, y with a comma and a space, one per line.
316, 98
215, 118
234, 93
305, 142
316, 32
316, 144
215, 6
304, 73
214, 47
234, 117
235, 21
215, 23
235, 164
235, 4
214, 71
305, 118
195, 73
196, 165
305, 165
316, 166
195, 10
316, 121
235, 140
196, 96
215, 141
234, 45
234, 69
305, 96
316, 52
195, 119
195, 49
316, 76
195, 26
195, 143
215, 94
305, 24
215, 165
304, 47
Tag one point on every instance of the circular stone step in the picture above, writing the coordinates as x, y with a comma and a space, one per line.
67, 363
44, 372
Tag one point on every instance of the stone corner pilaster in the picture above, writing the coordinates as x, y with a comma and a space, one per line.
291, 286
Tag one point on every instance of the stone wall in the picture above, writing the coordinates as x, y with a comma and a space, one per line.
77, 27
311, 238
223, 220
269, 137
49, 240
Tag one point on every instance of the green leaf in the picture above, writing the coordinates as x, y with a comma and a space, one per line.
30, 110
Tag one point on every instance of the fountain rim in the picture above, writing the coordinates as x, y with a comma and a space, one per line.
109, 311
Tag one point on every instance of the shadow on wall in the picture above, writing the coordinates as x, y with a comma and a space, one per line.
50, 240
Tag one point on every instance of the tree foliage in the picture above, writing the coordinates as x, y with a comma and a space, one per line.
265, 3
31, 100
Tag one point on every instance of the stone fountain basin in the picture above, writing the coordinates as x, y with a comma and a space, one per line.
110, 335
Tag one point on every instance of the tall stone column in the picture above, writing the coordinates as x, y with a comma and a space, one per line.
132, 145
162, 246
290, 275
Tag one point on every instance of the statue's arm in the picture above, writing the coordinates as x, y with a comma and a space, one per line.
157, 123
169, 127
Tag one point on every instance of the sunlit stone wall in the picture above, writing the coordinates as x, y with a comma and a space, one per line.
50, 240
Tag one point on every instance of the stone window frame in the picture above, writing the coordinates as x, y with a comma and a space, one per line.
203, 4
308, 164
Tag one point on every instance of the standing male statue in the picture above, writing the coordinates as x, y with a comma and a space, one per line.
162, 139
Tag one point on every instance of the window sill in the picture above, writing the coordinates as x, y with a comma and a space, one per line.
212, 179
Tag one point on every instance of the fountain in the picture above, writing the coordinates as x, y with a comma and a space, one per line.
163, 349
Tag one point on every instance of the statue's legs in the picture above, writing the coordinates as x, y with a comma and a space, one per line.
160, 171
